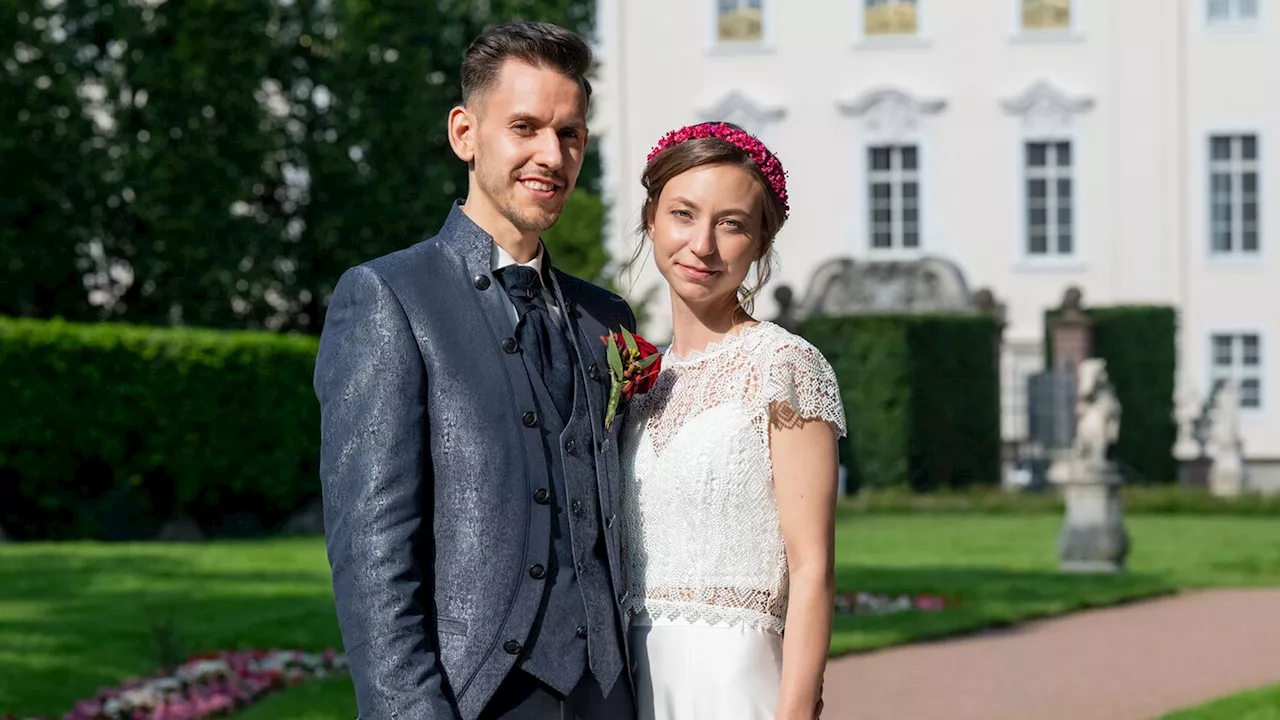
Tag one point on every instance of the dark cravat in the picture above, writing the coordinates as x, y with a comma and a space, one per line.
544, 343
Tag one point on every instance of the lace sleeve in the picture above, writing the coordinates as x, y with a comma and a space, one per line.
801, 377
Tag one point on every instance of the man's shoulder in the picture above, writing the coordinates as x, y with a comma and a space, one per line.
606, 305
408, 263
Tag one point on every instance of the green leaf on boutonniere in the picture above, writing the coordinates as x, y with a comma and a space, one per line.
615, 358
645, 363
631, 342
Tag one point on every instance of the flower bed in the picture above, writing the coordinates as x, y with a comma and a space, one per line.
208, 685
866, 603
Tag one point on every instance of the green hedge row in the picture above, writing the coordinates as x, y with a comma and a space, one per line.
1139, 343
921, 395
109, 430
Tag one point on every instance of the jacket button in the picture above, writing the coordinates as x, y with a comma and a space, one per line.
512, 647
481, 282
537, 572
571, 446
530, 419
509, 345
581, 633
594, 371
540, 496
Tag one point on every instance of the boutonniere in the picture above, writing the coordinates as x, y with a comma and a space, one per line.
634, 364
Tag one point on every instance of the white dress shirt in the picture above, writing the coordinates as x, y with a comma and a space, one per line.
499, 259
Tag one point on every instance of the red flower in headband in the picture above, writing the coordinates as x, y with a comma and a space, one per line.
744, 141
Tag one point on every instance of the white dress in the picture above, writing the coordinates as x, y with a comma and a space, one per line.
706, 570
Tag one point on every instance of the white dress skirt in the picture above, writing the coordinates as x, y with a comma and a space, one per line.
692, 670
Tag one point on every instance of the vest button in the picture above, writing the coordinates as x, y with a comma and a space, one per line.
537, 572
512, 647
530, 419
540, 496
509, 345
481, 282
571, 446
576, 507
581, 633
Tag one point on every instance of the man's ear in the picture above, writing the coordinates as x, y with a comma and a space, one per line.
462, 133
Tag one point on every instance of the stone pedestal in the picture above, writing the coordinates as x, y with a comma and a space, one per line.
1093, 537
1226, 476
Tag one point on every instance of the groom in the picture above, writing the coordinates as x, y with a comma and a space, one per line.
470, 488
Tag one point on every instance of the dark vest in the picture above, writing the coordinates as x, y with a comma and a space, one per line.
578, 627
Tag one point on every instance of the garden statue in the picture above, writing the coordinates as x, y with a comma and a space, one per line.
1225, 446
1097, 413
1093, 537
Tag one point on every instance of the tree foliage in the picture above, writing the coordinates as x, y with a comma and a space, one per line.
220, 163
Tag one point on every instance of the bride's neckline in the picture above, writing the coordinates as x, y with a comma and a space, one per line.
670, 358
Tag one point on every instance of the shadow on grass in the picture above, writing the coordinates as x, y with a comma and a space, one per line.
73, 622
979, 599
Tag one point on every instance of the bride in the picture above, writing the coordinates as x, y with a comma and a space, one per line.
730, 461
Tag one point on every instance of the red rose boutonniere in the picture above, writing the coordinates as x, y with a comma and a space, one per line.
634, 364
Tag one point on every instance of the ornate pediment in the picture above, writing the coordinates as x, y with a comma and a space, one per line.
741, 110
891, 114
1046, 108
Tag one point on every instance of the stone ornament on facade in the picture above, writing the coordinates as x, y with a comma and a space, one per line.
848, 287
891, 114
1046, 109
740, 109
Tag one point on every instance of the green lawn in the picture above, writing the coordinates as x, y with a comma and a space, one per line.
75, 617
1260, 704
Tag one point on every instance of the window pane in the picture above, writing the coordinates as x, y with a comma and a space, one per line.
879, 158
1249, 240
882, 216
1037, 217
1064, 216
1249, 349
908, 158
1037, 189
910, 190
740, 24
1037, 243
755, 4
1035, 154
1249, 147
1222, 351
910, 215
881, 239
1251, 393
880, 192
890, 17
1065, 242
910, 239
1249, 212
1064, 154
1046, 14
1248, 9
1220, 148
1064, 189
1222, 239
1249, 182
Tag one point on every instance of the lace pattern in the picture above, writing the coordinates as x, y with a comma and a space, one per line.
701, 532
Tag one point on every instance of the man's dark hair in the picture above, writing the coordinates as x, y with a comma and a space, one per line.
540, 44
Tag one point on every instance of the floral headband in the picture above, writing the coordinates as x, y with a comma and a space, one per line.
744, 141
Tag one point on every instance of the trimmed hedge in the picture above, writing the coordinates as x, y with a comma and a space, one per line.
921, 395
1139, 343
109, 430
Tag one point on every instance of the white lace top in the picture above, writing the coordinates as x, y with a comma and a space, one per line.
701, 535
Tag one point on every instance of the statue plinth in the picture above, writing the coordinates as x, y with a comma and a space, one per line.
1093, 536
